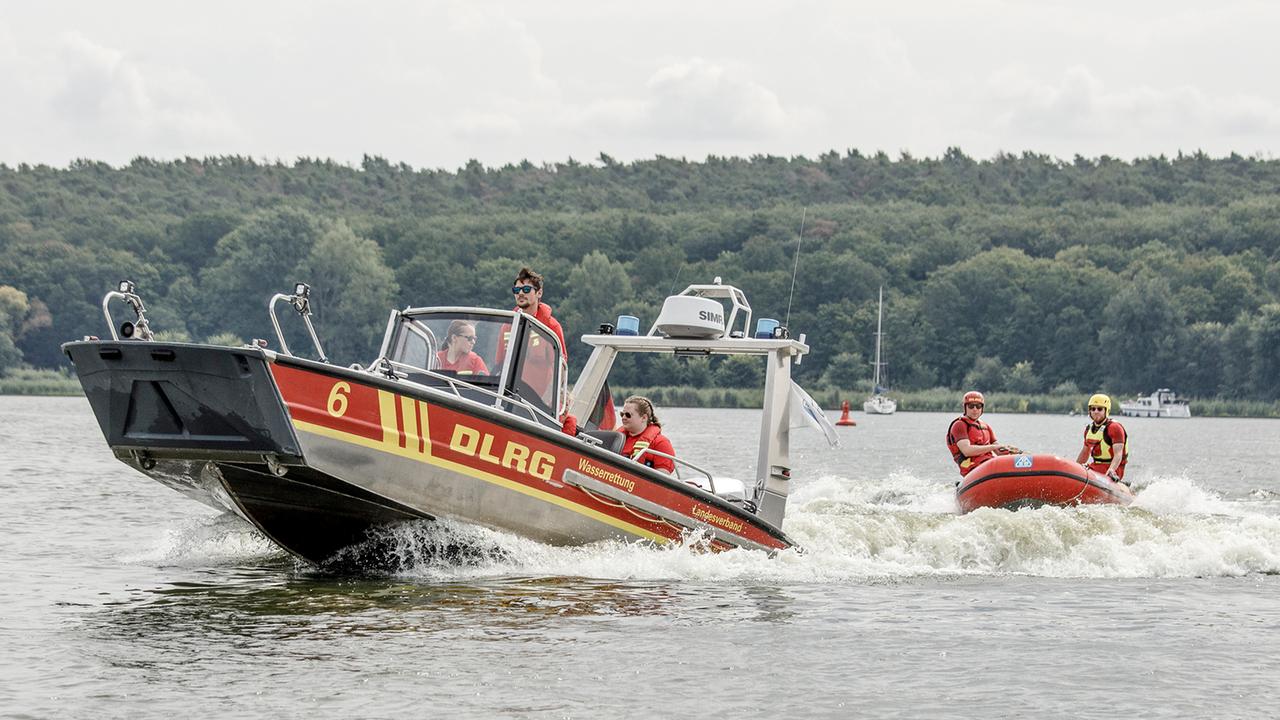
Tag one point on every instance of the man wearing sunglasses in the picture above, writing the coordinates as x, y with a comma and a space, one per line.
528, 291
1106, 444
970, 441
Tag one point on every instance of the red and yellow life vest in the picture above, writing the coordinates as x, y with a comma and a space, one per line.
977, 433
1100, 446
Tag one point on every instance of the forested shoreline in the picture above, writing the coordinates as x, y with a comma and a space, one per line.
1022, 274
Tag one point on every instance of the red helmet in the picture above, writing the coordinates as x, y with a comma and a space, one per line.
974, 396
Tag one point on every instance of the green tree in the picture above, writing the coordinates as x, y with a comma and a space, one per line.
738, 371
13, 309
352, 292
192, 241
1142, 335
1203, 360
846, 371
598, 289
1022, 378
987, 375
1237, 357
1265, 353
251, 264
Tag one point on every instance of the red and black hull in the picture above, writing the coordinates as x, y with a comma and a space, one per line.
1019, 481
316, 455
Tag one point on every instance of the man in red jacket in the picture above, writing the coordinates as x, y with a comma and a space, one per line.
539, 364
970, 441
528, 292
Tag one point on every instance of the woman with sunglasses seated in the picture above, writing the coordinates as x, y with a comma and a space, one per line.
457, 354
643, 432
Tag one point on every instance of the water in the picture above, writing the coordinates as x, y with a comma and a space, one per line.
124, 599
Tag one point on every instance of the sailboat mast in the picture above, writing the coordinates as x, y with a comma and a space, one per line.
879, 318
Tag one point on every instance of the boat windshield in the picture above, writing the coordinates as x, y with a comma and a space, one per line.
540, 369
452, 343
473, 347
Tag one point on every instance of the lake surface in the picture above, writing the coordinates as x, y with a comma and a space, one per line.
122, 598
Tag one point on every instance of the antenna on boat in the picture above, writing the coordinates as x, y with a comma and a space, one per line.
676, 280
796, 269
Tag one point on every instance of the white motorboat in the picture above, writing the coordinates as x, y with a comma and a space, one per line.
879, 403
1161, 403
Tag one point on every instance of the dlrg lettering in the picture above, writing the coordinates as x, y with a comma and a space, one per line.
510, 454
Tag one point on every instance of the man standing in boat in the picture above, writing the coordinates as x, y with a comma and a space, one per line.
970, 441
1105, 441
528, 292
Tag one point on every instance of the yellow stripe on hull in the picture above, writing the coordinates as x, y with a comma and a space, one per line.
390, 443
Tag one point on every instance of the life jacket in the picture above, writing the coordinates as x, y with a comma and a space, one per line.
543, 315
1095, 436
469, 364
636, 447
977, 433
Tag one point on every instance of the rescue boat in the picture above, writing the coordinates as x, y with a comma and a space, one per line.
1028, 481
317, 456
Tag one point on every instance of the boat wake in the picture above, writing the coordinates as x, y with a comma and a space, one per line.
882, 530
421, 546
204, 540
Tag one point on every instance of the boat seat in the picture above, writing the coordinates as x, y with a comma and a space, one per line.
610, 440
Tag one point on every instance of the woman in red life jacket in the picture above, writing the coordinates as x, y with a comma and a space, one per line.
457, 354
643, 433
1106, 444
970, 441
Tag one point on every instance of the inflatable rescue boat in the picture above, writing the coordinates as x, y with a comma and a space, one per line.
1018, 481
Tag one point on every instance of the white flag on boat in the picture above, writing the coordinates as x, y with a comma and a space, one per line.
806, 411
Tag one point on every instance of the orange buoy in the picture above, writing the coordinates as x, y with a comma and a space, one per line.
844, 415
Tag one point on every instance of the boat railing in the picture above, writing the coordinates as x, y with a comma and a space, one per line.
401, 371
711, 482
301, 302
139, 329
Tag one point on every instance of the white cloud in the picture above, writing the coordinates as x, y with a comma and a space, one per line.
84, 99
1080, 105
695, 100
98, 89
435, 82
486, 125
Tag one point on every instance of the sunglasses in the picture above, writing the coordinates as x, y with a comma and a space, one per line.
1096, 408
973, 405
625, 414
522, 289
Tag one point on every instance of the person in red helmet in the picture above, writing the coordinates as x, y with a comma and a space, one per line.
970, 441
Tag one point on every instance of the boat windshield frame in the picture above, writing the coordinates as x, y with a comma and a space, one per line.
511, 353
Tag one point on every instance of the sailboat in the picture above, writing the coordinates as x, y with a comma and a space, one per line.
878, 403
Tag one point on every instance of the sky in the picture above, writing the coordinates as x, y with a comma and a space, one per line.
434, 84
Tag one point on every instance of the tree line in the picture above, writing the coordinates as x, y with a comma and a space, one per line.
1017, 273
